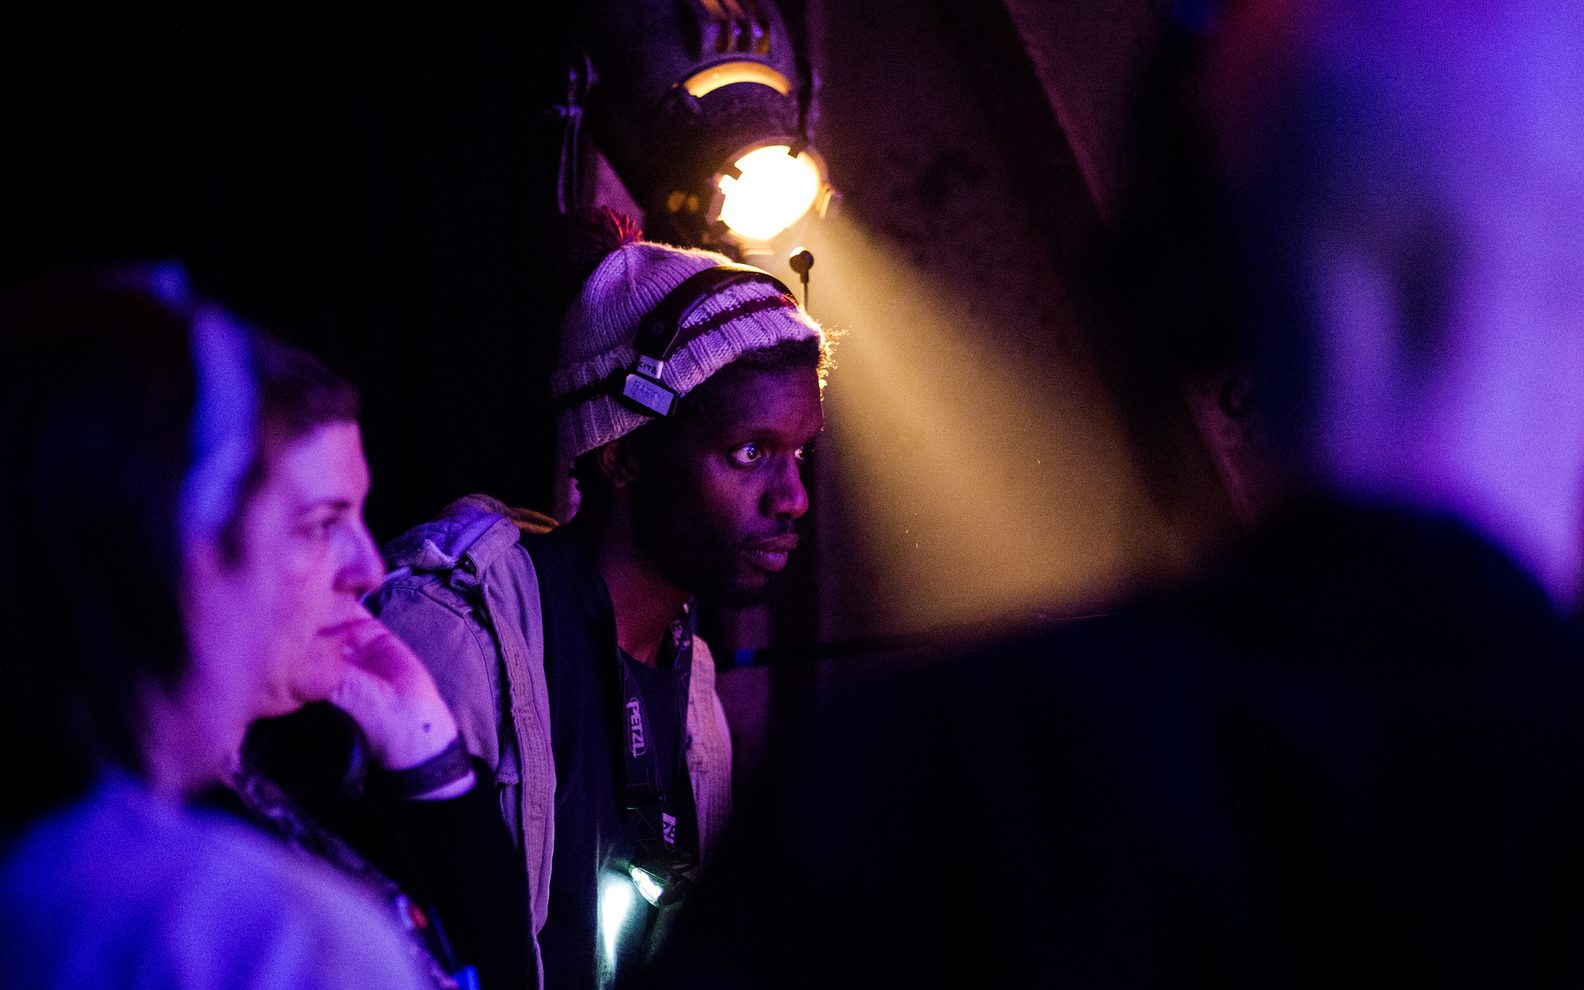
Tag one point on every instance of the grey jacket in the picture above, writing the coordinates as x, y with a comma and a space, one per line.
463, 593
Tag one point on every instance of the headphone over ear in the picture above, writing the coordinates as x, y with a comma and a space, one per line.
660, 333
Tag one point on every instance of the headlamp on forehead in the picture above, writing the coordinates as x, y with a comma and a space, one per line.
661, 332
643, 388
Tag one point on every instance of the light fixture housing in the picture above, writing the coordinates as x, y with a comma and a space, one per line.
687, 95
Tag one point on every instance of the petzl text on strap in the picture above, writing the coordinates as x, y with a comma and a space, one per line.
666, 849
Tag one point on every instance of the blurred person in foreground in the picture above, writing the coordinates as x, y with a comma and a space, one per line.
375, 780
1351, 753
173, 567
147, 627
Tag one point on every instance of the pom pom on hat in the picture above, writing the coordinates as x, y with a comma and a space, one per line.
582, 239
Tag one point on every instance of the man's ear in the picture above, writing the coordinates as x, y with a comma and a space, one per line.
618, 462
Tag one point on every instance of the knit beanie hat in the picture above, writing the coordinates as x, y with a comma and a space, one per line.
601, 326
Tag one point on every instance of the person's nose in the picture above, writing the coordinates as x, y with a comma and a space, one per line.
787, 498
363, 570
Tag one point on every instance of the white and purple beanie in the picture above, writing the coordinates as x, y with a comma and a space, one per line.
601, 326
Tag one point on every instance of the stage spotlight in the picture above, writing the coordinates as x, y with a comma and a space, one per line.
767, 191
703, 109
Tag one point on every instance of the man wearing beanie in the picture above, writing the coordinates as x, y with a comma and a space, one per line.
687, 391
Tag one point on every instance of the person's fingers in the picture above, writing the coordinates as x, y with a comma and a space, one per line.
367, 697
368, 644
389, 692
318, 673
403, 729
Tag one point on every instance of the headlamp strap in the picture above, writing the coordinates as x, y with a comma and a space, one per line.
661, 332
655, 808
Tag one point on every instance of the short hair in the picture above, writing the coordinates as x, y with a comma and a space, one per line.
298, 393
96, 419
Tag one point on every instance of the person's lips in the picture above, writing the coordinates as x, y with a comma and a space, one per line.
771, 555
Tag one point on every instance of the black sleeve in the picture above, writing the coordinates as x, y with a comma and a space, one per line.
461, 858
454, 857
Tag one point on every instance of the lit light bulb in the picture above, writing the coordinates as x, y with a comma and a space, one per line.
648, 887
771, 192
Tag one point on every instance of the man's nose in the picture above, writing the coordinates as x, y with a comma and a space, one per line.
787, 497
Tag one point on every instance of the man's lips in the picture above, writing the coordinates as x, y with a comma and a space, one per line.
771, 555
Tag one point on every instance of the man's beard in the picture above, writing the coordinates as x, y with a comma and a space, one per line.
688, 549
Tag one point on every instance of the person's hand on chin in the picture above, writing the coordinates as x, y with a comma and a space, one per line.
369, 673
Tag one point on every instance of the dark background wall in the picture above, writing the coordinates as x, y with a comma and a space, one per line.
371, 186
1006, 438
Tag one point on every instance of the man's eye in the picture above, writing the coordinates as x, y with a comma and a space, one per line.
747, 455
